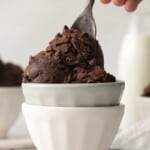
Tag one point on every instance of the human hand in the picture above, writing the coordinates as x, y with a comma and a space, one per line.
130, 5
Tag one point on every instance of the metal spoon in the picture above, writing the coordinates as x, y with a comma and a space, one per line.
85, 22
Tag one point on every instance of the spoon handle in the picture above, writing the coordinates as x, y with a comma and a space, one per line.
90, 3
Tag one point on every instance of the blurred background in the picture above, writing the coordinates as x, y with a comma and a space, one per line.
27, 26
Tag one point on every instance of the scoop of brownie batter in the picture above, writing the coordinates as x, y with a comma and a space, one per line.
71, 57
10, 74
146, 91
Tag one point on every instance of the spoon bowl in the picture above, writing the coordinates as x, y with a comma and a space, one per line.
85, 22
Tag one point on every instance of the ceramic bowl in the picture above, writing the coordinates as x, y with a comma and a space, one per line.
84, 95
143, 107
72, 128
11, 99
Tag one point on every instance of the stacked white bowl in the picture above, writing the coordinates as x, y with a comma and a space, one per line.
11, 99
73, 116
143, 107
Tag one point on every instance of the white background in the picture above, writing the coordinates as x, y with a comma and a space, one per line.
26, 27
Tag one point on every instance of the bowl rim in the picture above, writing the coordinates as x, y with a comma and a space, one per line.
72, 108
72, 84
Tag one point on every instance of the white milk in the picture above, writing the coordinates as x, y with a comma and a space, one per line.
134, 69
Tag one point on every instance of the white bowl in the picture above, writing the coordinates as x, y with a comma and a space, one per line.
143, 107
11, 99
72, 128
94, 94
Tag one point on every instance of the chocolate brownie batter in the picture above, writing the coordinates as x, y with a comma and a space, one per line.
10, 74
71, 57
146, 91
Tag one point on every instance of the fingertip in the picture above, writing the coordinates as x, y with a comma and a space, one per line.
105, 1
118, 2
130, 7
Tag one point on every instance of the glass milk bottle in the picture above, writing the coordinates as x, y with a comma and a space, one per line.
134, 64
